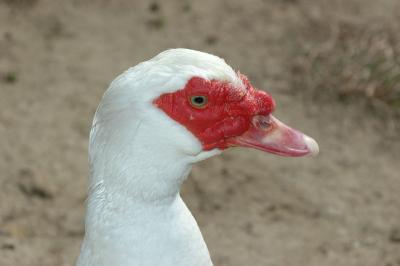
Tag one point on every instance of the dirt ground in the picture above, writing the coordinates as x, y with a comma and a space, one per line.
339, 209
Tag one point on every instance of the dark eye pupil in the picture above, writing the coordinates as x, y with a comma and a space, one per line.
198, 100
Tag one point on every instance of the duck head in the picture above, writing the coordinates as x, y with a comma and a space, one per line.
196, 105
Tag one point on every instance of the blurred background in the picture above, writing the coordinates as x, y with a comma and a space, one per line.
333, 67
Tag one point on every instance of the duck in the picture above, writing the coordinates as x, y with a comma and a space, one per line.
153, 123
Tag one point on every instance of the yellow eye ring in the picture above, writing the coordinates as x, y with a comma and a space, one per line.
198, 101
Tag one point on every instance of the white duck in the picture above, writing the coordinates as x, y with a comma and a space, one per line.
154, 121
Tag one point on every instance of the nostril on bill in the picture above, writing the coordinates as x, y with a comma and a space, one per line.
262, 122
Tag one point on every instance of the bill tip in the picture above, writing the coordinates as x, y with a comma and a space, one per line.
312, 146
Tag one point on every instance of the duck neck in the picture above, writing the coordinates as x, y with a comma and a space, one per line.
126, 183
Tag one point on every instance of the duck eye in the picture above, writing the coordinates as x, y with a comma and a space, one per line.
198, 101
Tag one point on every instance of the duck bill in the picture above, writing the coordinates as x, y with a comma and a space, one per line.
268, 134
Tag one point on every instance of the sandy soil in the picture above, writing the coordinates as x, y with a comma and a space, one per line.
57, 58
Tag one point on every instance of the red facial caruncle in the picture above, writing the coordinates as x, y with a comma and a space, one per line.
222, 111
221, 115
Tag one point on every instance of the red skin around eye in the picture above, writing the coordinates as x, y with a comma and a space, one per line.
228, 112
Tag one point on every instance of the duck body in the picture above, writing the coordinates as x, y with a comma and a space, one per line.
148, 131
